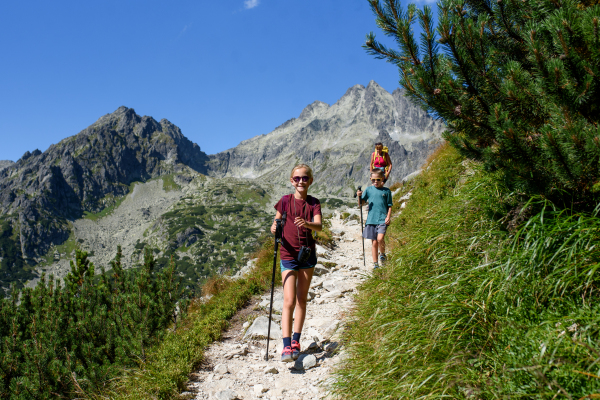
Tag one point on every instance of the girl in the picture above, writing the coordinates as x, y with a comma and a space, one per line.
303, 215
380, 160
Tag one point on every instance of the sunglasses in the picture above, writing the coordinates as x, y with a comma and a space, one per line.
375, 180
301, 178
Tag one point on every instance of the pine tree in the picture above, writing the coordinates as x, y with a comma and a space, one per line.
516, 82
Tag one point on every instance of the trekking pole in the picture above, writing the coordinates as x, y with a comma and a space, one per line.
361, 227
277, 240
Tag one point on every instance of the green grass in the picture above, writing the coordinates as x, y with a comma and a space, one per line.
466, 310
115, 203
169, 183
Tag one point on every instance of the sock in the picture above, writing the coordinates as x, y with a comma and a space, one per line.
287, 342
296, 337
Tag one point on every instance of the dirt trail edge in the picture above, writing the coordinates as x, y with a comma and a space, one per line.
235, 368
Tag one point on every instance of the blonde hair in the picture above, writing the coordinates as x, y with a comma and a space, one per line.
378, 172
300, 166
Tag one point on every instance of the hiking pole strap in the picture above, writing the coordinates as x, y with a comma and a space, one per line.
278, 233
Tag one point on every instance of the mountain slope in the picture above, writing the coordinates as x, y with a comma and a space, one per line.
337, 141
42, 192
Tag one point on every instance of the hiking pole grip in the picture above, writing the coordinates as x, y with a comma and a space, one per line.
278, 234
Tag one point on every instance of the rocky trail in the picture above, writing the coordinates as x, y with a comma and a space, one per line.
235, 367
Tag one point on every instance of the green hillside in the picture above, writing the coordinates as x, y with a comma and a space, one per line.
487, 295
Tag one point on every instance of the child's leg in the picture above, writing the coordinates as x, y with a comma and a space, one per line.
304, 278
381, 241
288, 279
374, 250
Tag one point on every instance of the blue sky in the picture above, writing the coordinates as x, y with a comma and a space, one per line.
223, 71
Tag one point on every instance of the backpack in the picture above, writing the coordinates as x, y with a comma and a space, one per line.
384, 153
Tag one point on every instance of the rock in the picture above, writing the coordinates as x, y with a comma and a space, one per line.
264, 303
314, 335
259, 389
305, 361
351, 223
278, 306
403, 205
240, 352
320, 270
227, 394
336, 294
246, 324
221, 369
333, 346
259, 329
331, 329
321, 251
271, 370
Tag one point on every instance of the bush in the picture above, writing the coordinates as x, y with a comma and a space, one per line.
71, 340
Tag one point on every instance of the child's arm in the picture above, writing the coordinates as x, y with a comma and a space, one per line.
274, 225
316, 225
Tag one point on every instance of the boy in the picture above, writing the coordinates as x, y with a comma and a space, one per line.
380, 211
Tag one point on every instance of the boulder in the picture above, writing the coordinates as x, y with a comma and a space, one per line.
305, 361
259, 328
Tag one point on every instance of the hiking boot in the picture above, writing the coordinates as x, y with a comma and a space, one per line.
375, 265
295, 349
382, 258
286, 354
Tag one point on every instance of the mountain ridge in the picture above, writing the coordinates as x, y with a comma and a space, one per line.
345, 131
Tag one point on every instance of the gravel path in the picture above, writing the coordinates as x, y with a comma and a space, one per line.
235, 368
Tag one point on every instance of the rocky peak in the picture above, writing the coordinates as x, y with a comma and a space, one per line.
85, 171
5, 164
313, 110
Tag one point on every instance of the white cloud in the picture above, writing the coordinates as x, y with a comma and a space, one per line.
248, 4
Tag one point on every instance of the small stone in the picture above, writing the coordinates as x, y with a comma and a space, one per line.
271, 370
227, 395
306, 361
221, 369
259, 389
246, 324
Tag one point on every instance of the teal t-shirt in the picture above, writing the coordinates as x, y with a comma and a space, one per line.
379, 202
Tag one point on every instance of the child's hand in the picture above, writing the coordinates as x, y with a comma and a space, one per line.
274, 228
359, 193
388, 220
299, 221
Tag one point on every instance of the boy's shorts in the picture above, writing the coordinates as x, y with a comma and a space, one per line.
371, 231
293, 265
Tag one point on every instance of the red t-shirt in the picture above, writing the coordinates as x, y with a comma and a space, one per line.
294, 236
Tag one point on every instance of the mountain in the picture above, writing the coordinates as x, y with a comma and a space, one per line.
5, 164
42, 193
337, 141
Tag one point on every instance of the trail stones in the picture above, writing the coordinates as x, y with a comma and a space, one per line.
270, 369
259, 329
259, 389
221, 369
320, 270
227, 394
241, 351
305, 361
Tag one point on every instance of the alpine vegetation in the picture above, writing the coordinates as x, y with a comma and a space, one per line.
64, 341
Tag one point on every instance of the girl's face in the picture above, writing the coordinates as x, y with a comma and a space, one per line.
300, 180
379, 148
